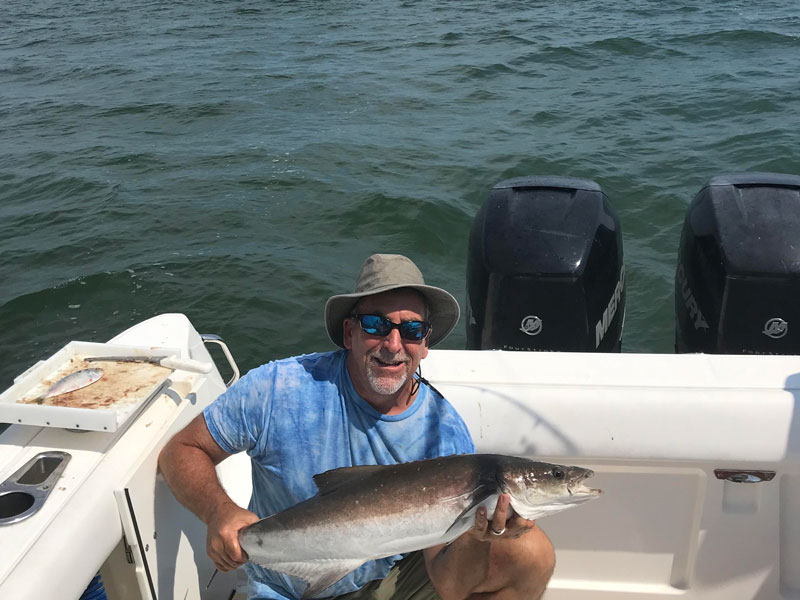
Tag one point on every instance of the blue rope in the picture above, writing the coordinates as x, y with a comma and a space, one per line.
96, 590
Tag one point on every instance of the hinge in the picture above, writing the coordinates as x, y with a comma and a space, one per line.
128, 551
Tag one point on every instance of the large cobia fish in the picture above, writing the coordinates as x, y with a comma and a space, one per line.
368, 512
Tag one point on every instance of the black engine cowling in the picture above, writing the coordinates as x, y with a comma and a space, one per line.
545, 268
737, 283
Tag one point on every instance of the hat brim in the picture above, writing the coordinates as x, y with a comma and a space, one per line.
442, 307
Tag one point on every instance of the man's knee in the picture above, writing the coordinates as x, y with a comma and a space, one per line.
521, 568
537, 560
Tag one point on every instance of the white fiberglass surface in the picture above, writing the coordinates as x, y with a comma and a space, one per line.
659, 431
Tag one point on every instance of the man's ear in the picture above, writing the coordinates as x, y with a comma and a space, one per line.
347, 333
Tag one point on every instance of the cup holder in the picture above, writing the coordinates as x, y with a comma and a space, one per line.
25, 492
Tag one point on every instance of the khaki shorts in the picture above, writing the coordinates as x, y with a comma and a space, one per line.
408, 580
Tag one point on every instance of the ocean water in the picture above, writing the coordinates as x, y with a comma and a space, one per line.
237, 160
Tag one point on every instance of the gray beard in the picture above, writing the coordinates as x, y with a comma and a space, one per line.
385, 385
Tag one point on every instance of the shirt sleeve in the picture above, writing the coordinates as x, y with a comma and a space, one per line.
238, 419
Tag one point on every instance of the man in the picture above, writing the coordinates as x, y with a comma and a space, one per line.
360, 405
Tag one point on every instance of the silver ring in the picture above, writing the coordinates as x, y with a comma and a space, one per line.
495, 532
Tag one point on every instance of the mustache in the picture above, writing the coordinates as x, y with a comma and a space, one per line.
389, 357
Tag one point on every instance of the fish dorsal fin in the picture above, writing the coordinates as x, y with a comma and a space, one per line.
334, 479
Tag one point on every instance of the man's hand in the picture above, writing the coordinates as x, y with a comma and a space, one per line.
222, 542
513, 569
501, 525
187, 463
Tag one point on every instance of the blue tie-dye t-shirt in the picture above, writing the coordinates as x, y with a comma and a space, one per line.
301, 416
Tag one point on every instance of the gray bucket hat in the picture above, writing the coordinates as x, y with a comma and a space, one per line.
384, 272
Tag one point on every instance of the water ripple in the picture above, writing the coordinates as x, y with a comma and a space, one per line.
236, 160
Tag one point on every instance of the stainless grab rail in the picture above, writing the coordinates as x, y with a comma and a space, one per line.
212, 338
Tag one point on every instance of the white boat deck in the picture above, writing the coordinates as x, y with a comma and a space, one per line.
655, 428
79, 530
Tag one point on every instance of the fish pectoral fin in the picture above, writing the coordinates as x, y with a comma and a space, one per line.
318, 574
466, 519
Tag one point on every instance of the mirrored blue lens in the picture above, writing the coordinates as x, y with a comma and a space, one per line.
409, 330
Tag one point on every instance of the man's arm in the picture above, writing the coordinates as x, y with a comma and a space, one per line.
479, 564
187, 463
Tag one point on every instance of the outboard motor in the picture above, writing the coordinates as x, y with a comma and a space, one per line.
737, 283
545, 268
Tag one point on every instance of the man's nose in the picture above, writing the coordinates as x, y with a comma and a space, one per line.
393, 342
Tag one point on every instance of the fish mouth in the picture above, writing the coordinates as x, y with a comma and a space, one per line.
582, 490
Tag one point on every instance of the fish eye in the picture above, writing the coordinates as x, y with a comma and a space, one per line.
558, 472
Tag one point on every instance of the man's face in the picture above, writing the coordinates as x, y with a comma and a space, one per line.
382, 366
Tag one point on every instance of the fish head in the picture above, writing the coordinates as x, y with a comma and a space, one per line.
539, 489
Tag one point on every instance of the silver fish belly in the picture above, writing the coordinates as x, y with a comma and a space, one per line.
368, 512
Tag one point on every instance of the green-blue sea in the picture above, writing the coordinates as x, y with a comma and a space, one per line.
237, 160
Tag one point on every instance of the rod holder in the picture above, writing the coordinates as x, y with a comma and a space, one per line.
24, 493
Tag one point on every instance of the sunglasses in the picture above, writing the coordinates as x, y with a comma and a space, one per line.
413, 331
